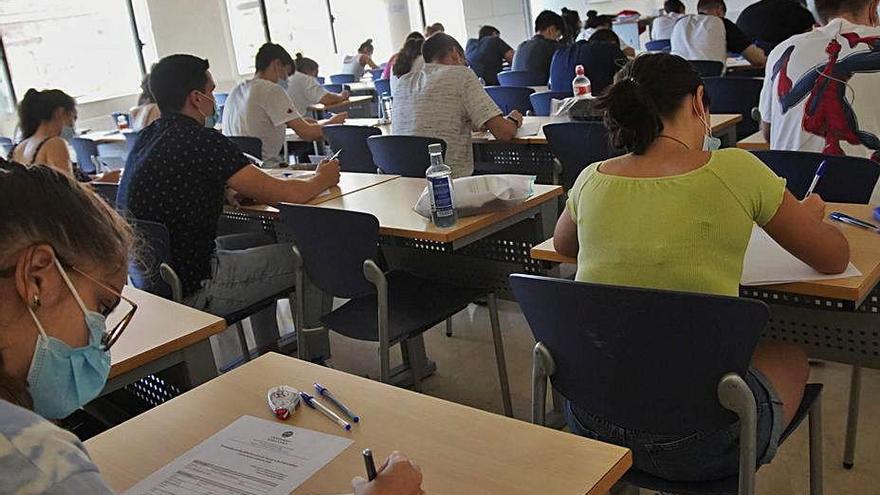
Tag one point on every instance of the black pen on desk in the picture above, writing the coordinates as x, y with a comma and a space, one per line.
370, 464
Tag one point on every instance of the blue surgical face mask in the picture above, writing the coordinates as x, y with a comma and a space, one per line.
68, 133
284, 82
710, 142
214, 118
62, 378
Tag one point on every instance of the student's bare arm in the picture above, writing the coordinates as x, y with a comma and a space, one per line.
504, 128
263, 188
306, 129
765, 130
57, 156
755, 55
800, 228
565, 239
334, 98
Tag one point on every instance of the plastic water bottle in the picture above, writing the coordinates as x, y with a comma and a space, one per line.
580, 86
387, 108
439, 177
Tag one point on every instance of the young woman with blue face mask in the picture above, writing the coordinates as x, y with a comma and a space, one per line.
46, 120
675, 213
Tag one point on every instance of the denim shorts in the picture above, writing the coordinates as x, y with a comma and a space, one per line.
696, 456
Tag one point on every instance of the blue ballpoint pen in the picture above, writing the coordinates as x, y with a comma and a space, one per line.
819, 173
325, 392
844, 218
314, 404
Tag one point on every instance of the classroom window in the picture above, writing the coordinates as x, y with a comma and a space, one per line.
248, 32
303, 26
145, 33
355, 22
450, 14
83, 47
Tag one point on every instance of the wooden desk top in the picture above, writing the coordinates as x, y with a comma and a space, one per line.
864, 253
349, 182
105, 137
461, 450
755, 142
159, 328
354, 100
360, 86
392, 203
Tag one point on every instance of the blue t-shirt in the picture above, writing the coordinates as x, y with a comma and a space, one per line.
601, 62
486, 57
38, 457
534, 55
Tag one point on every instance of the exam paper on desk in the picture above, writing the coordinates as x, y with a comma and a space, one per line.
251, 456
766, 262
528, 129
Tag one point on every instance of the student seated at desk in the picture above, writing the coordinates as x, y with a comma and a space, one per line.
147, 111
434, 29
46, 120
803, 109
303, 87
60, 276
573, 26
409, 59
774, 21
176, 175
446, 100
673, 214
356, 64
534, 55
487, 54
595, 23
261, 108
661, 26
386, 72
600, 55
711, 36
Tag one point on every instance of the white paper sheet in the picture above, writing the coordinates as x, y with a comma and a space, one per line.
251, 456
767, 262
528, 129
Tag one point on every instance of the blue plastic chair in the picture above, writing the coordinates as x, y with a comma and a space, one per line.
541, 101
577, 145
848, 179
131, 139
248, 144
521, 78
151, 271
86, 152
656, 361
352, 140
736, 95
509, 98
402, 155
708, 68
337, 250
6, 145
342, 78
377, 73
659, 46
383, 86
106, 191
333, 88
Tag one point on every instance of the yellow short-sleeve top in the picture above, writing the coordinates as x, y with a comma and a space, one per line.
685, 232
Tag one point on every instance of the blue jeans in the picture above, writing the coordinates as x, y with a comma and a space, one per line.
246, 269
698, 455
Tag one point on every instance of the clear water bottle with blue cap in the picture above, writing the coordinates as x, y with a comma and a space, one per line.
439, 177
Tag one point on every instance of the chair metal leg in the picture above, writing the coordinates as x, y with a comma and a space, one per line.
816, 454
852, 418
499, 355
449, 327
242, 340
375, 275
413, 351
542, 368
734, 394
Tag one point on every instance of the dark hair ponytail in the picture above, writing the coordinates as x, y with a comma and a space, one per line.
366, 46
303, 64
39, 106
407, 56
646, 90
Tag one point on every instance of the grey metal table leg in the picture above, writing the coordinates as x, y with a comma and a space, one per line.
852, 419
200, 366
317, 303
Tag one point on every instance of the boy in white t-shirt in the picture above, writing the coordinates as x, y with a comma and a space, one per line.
261, 107
661, 26
822, 89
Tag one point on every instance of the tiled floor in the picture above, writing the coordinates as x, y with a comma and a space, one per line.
466, 374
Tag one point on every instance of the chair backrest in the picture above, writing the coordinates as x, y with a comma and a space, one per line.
333, 88
107, 191
377, 73
5, 146
509, 98
847, 179
342, 78
352, 140
85, 149
403, 155
736, 95
541, 101
321, 80
144, 270
659, 46
220, 98
248, 144
131, 138
708, 68
521, 78
382, 86
576, 145
643, 359
334, 245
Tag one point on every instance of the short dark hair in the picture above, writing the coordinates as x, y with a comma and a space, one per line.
675, 6
704, 5
488, 31
648, 88
174, 77
305, 64
434, 28
269, 53
829, 9
605, 36
366, 46
594, 20
39, 106
547, 19
438, 45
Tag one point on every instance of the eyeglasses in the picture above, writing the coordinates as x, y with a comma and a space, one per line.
110, 337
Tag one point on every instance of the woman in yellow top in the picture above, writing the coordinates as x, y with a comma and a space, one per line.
674, 214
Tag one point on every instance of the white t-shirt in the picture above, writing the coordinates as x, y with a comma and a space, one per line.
305, 91
587, 32
259, 108
444, 101
661, 27
418, 64
700, 37
351, 64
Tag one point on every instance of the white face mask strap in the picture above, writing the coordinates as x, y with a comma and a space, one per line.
71, 287
37, 322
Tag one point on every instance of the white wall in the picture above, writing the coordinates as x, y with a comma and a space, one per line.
509, 16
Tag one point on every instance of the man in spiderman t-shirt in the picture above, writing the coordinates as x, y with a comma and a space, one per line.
822, 89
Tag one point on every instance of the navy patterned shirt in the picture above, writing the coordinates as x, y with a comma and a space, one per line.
176, 175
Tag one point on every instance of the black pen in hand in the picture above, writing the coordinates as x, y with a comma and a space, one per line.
371, 466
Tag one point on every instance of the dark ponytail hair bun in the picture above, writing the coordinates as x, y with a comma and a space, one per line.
39, 106
591, 14
645, 91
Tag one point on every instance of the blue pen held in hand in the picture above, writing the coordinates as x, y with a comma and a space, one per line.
819, 173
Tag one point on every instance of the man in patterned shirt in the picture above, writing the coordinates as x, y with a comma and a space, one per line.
446, 100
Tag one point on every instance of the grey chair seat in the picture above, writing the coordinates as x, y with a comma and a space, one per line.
415, 305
